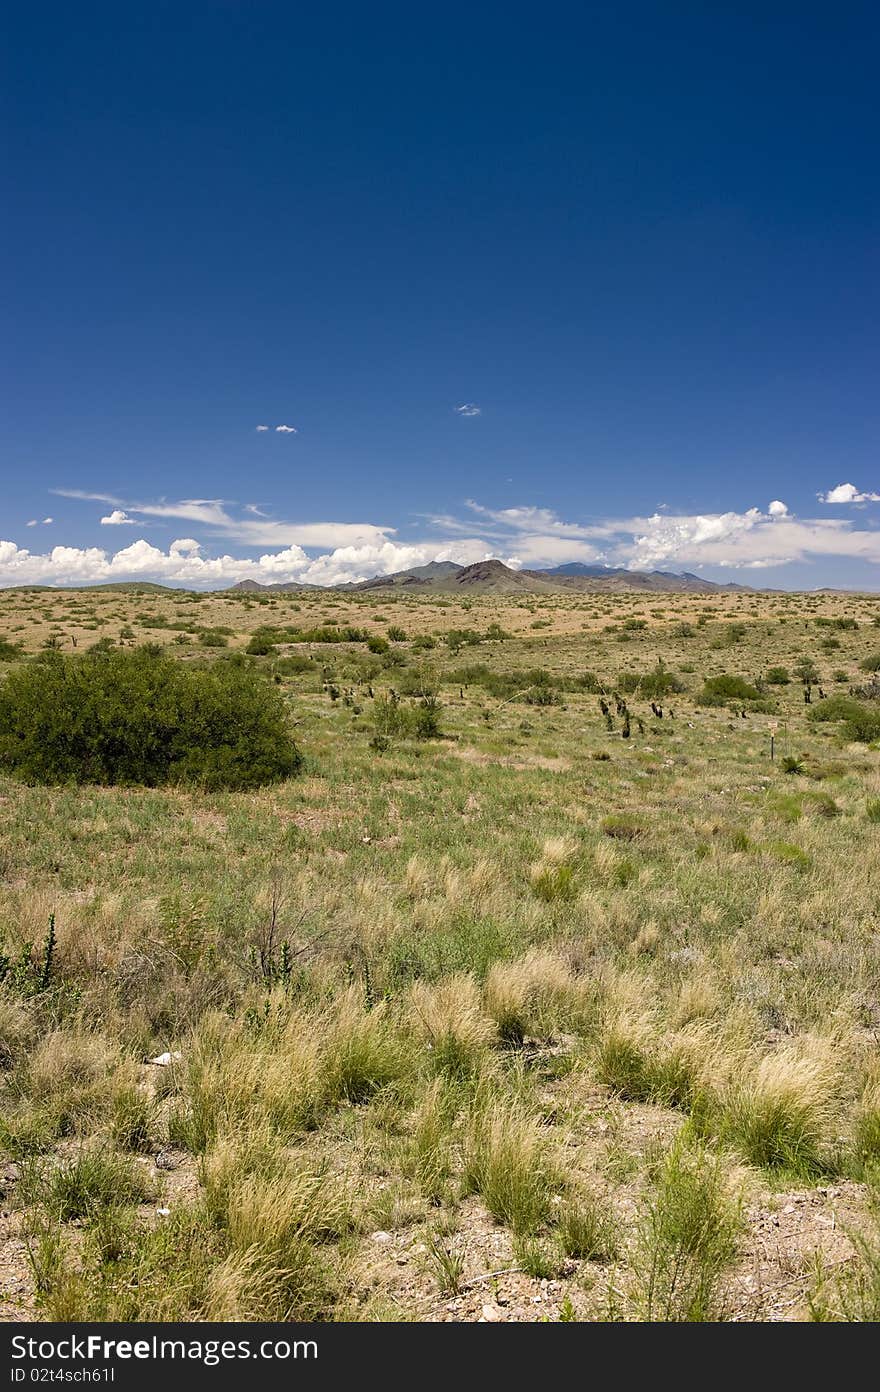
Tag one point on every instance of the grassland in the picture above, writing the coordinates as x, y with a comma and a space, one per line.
489, 1013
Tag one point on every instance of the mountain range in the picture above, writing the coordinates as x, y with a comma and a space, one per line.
493, 576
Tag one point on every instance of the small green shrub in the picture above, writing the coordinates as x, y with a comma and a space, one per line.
687, 1238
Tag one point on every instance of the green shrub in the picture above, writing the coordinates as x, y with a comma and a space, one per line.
139, 717
650, 685
717, 691
871, 663
686, 1239
777, 676
860, 722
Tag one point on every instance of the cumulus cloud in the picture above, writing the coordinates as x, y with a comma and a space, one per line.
261, 428
285, 430
469, 408
118, 518
185, 563
331, 553
847, 493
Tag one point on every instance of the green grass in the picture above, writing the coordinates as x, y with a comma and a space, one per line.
476, 979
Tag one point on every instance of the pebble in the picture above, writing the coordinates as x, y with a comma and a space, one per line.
381, 1236
491, 1313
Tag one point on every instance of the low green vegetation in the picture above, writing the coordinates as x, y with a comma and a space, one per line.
391, 955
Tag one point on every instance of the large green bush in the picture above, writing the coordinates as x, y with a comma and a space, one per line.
140, 717
717, 691
651, 686
861, 723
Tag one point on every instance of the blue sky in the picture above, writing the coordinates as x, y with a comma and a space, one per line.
638, 243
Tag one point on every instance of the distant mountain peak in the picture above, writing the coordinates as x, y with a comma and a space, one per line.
493, 575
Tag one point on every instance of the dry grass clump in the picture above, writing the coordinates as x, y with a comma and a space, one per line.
552, 876
274, 1215
283, 1072
698, 999
866, 1131
429, 1157
17, 1028
68, 1059
451, 1019
587, 1230
361, 1051
537, 994
237, 1078
780, 1114
507, 1162
642, 1060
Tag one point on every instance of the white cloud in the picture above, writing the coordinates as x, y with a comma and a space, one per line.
531, 519
46, 522
185, 564
33, 523
738, 540
469, 408
261, 428
847, 493
118, 518
83, 496
329, 553
255, 528
285, 430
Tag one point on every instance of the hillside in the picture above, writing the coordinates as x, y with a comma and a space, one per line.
494, 576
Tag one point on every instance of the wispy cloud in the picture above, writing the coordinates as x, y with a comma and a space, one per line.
261, 428
469, 408
35, 522
253, 528
327, 553
847, 493
84, 496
